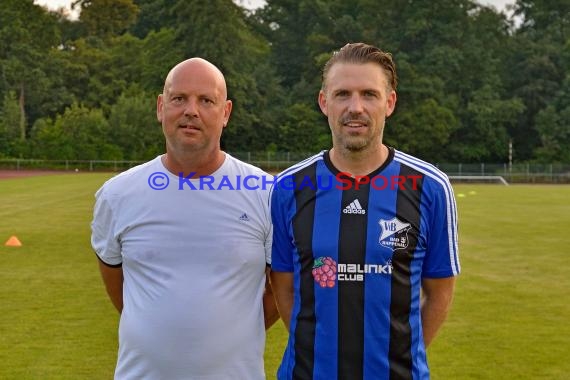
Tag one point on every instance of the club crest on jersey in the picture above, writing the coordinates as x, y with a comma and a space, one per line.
394, 233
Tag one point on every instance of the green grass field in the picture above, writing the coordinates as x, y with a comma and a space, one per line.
510, 319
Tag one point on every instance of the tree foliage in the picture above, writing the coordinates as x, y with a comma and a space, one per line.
10, 134
133, 127
106, 18
79, 134
471, 79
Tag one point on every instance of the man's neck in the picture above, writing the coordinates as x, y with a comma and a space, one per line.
358, 163
193, 162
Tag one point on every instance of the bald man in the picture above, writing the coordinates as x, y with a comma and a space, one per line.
183, 249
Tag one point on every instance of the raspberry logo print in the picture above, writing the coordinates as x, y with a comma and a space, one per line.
324, 271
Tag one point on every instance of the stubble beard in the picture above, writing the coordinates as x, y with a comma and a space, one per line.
355, 144
358, 144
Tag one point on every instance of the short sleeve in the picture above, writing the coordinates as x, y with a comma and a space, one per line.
283, 249
103, 238
268, 246
269, 229
442, 257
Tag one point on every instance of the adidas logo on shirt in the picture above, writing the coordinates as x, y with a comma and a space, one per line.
354, 208
244, 218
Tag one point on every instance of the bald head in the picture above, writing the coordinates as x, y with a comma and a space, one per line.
193, 109
200, 68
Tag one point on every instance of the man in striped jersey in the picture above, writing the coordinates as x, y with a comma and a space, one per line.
363, 270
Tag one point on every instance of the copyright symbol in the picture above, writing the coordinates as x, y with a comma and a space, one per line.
158, 181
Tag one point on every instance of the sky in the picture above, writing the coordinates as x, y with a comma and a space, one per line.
252, 4
499, 4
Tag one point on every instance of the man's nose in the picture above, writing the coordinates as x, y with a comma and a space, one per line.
355, 104
191, 109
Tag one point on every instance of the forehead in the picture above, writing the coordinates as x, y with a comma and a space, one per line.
198, 80
356, 76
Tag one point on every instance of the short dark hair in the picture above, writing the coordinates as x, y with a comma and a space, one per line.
363, 53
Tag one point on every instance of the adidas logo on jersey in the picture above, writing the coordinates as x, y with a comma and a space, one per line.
354, 208
244, 218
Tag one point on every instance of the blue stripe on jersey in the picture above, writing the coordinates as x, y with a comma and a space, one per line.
451, 210
326, 363
377, 315
303, 233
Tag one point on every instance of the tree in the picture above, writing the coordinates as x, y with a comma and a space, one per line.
160, 52
10, 133
105, 69
79, 134
553, 127
303, 130
538, 64
133, 125
544, 19
154, 15
470, 78
489, 119
217, 31
423, 130
287, 24
106, 18
554, 131
21, 54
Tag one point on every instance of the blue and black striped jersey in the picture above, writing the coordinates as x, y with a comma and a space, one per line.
358, 249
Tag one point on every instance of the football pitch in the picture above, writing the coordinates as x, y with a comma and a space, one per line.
510, 318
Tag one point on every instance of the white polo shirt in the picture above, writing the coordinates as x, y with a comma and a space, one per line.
194, 270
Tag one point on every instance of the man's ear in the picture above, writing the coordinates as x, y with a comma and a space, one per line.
391, 103
227, 111
323, 102
159, 105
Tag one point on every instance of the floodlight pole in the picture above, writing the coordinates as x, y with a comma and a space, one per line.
510, 156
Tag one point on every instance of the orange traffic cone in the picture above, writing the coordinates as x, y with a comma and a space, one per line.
13, 242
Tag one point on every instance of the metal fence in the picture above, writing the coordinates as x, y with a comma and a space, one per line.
515, 173
276, 161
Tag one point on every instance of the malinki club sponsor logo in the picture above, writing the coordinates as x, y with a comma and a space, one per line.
326, 272
394, 235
